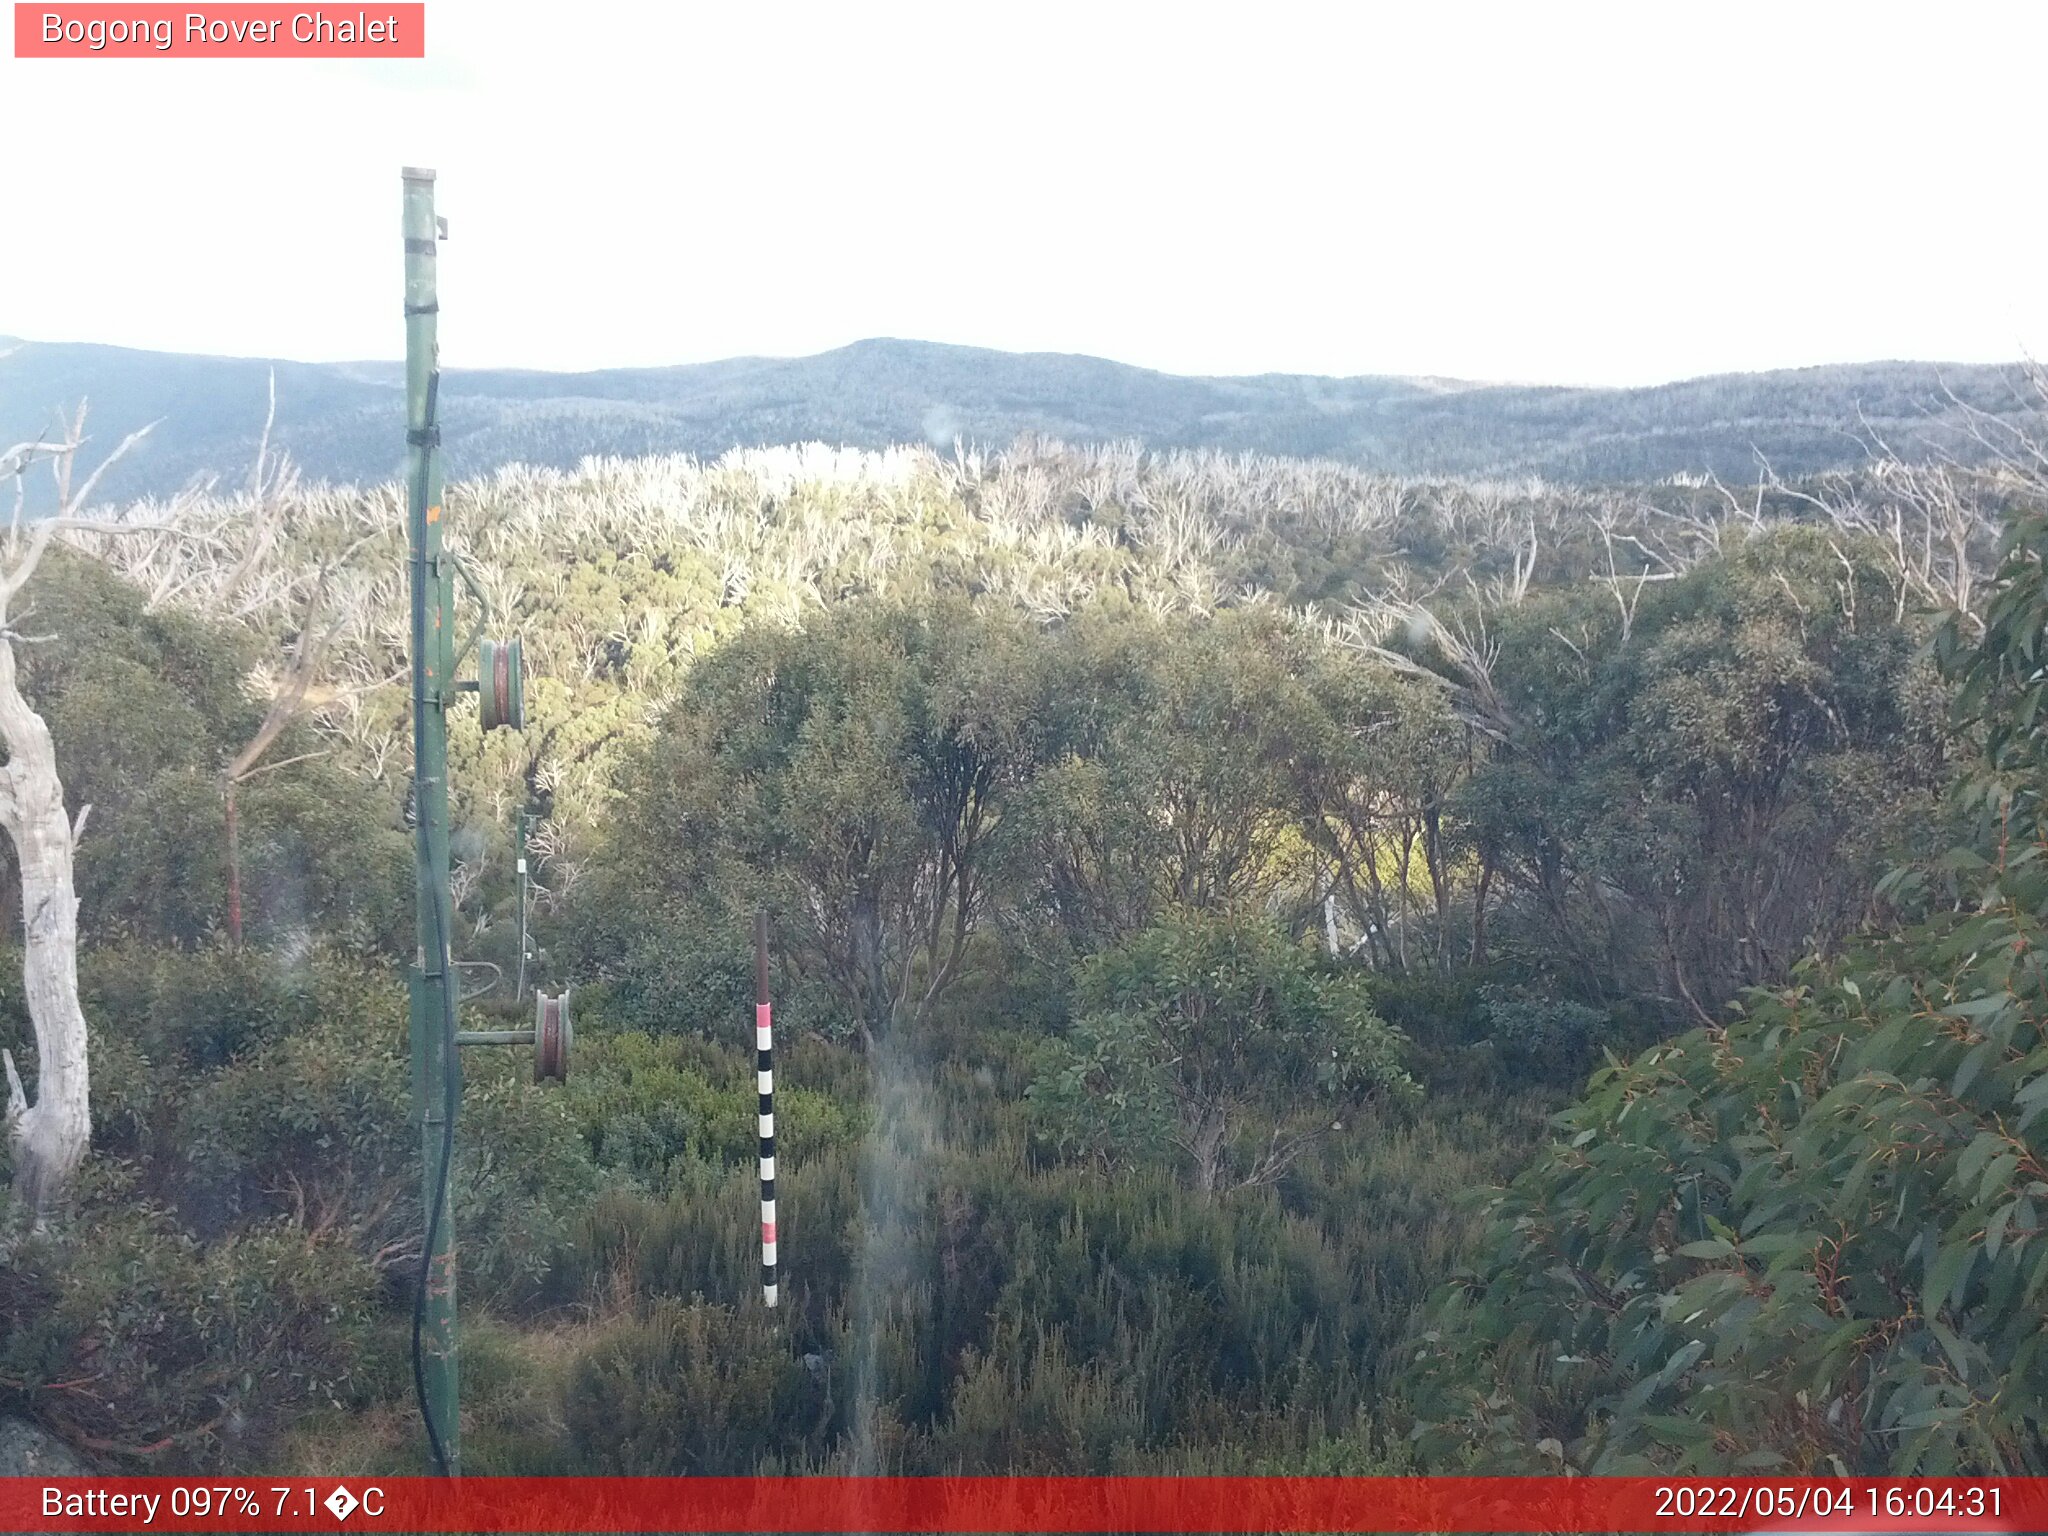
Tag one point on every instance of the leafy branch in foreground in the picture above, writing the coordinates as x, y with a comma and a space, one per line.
1812, 1239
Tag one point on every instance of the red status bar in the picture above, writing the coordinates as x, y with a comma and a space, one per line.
1024, 1504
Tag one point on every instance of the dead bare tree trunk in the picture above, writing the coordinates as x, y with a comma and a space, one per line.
49, 1137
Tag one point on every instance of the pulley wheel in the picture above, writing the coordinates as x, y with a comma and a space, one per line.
501, 686
552, 1034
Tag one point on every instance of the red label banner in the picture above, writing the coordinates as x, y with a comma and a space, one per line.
1024, 1504
233, 31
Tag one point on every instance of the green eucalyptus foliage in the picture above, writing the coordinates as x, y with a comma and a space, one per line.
1544, 1039
146, 707
850, 776
139, 1342
1373, 760
895, 781
1810, 1240
1213, 1042
1165, 785
1701, 778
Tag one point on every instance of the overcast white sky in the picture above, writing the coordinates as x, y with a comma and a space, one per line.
1574, 193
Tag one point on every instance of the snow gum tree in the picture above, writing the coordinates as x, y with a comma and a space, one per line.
48, 1136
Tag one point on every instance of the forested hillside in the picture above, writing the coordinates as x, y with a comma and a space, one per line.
1197, 881
334, 418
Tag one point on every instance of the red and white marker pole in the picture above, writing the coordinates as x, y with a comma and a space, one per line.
764, 1074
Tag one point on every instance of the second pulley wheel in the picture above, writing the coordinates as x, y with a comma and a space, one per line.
501, 686
552, 1036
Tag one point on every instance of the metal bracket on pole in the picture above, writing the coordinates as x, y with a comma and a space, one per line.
551, 1037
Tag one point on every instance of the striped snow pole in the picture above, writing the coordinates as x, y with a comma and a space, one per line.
764, 1073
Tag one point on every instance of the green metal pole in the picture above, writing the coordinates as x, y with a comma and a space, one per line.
436, 1080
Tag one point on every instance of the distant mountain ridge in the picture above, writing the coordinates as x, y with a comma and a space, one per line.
343, 421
